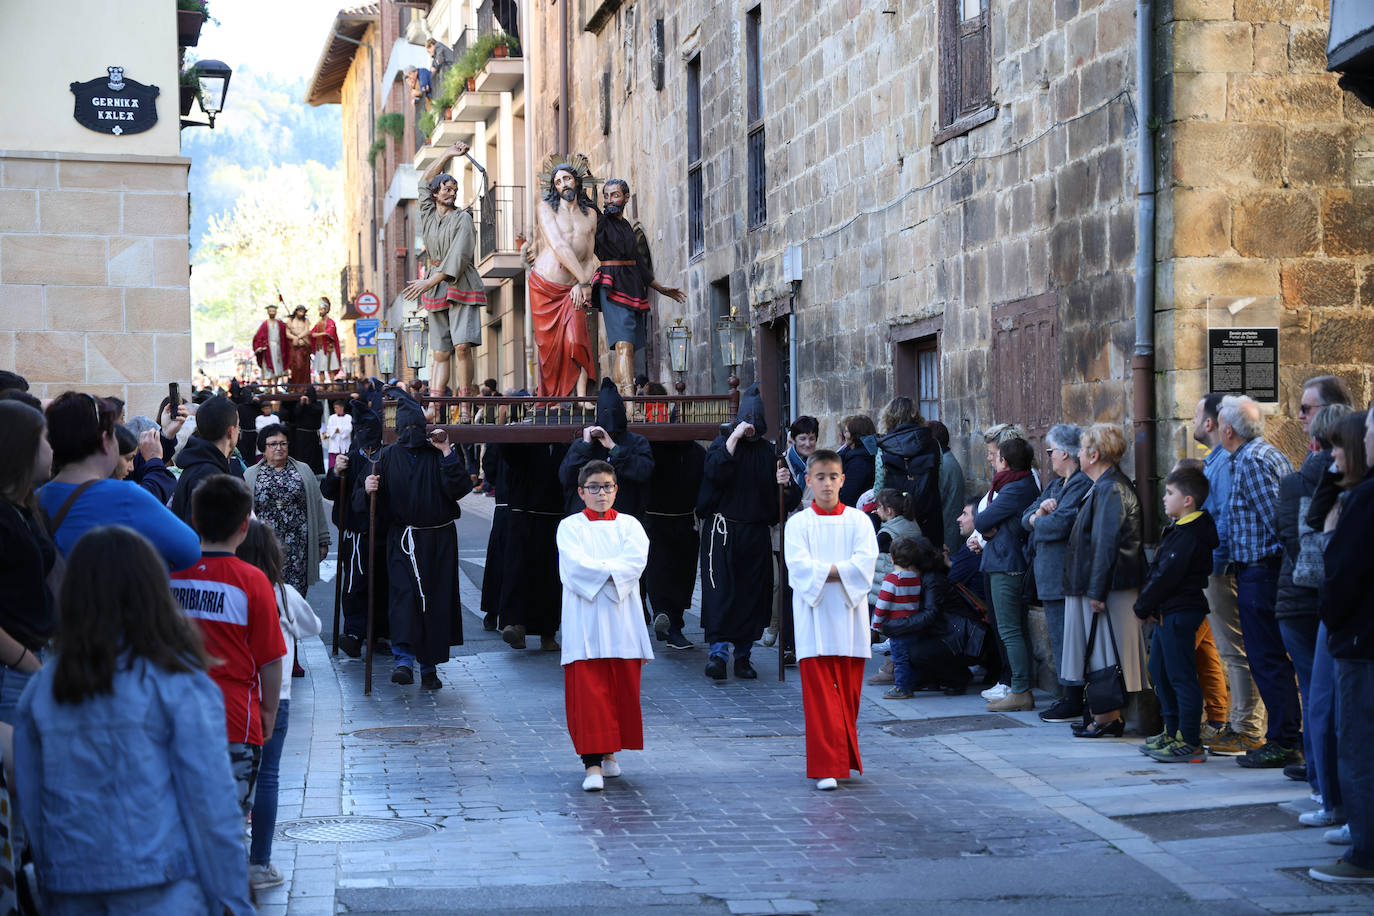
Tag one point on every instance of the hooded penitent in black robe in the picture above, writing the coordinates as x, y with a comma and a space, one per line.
249, 408
671, 525
352, 519
738, 503
494, 472
531, 592
306, 420
419, 494
632, 458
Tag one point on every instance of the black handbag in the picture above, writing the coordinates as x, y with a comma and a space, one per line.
1105, 689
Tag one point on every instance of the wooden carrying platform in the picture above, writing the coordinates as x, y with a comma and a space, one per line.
658, 418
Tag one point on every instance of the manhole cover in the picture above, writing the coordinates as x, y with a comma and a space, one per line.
1233, 821
413, 734
351, 830
924, 728
1300, 875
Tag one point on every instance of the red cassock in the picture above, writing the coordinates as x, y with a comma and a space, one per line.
262, 347
560, 333
602, 699
831, 688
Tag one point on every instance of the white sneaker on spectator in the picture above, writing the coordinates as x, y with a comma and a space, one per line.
996, 692
1340, 836
770, 637
884, 647
1319, 818
261, 876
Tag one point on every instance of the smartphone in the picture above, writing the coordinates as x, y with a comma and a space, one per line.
173, 396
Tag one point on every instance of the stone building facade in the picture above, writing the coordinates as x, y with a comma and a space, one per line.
94, 257
1266, 202
963, 235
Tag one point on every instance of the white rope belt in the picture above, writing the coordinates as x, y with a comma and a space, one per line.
408, 548
355, 560
718, 525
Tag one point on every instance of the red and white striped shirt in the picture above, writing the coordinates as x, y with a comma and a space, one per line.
899, 597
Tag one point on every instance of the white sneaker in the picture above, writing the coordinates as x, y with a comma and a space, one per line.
1338, 837
827, 784
883, 647
610, 768
1316, 797
261, 876
996, 692
770, 637
1319, 818
593, 783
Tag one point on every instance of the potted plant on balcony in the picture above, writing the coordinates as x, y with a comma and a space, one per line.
191, 16
190, 89
505, 46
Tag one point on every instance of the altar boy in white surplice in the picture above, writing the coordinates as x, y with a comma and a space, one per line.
830, 551
601, 556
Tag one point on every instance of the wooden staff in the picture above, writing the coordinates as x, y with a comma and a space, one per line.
338, 556
782, 604
371, 582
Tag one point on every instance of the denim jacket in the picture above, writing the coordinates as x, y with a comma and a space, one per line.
131, 789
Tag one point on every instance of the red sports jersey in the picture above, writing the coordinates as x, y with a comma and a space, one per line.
236, 609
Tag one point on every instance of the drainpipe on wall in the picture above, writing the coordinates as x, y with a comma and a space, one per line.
563, 78
1143, 363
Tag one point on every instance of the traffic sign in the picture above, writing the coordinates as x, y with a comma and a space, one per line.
365, 330
367, 304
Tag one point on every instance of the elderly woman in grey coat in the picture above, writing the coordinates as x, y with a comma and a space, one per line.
1049, 521
1104, 567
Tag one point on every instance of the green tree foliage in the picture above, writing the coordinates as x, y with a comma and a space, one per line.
265, 123
266, 207
285, 233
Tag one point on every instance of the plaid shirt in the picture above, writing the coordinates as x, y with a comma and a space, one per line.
1252, 509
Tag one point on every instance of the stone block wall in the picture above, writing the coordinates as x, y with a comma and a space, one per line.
894, 229
1266, 204
94, 274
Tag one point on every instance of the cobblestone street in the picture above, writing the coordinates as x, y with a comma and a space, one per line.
716, 815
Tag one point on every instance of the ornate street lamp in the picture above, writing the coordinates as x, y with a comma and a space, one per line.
386, 354
415, 341
731, 334
679, 336
214, 84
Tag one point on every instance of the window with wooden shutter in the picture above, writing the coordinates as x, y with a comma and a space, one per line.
965, 67
1024, 363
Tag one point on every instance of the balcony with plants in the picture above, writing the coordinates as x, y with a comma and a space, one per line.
470, 92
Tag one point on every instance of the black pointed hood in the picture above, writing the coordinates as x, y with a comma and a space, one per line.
410, 419
367, 416
610, 409
751, 410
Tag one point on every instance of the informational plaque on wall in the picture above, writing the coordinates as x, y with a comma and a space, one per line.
1244, 361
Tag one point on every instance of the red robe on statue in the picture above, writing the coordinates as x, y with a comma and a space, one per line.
271, 360
560, 333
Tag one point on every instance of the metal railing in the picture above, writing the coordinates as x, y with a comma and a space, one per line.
350, 284
500, 220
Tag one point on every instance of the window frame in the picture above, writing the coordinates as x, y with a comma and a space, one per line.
757, 169
696, 192
909, 343
960, 112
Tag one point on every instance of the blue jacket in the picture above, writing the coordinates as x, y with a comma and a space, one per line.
1050, 536
1005, 551
131, 789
